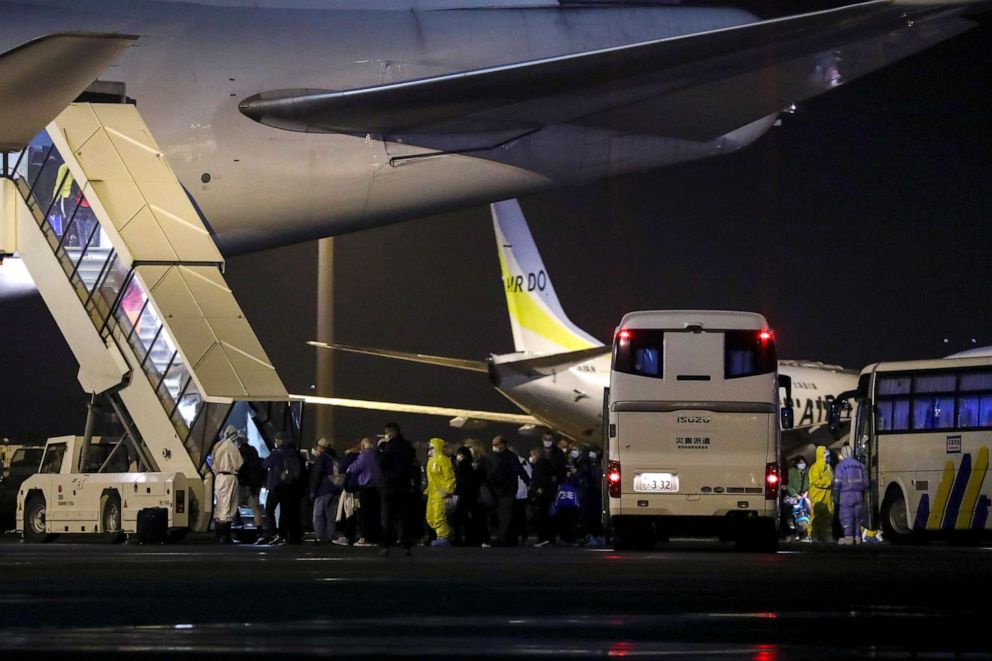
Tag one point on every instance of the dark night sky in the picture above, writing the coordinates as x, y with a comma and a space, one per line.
859, 228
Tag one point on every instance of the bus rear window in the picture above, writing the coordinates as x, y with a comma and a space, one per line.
640, 352
747, 353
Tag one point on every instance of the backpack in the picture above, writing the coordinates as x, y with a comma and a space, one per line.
567, 497
292, 468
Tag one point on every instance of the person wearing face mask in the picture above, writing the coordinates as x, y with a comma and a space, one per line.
556, 455
592, 479
797, 498
850, 484
506, 471
821, 479
467, 484
440, 488
541, 492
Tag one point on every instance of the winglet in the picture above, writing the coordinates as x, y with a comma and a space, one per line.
539, 323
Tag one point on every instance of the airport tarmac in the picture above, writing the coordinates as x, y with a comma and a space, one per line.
688, 599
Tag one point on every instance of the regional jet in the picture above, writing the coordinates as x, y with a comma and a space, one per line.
294, 120
558, 372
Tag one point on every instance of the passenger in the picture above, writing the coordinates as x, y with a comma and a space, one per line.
592, 480
568, 507
506, 470
347, 515
226, 463
467, 483
520, 503
851, 483
486, 501
440, 490
556, 456
369, 481
821, 479
284, 470
251, 478
797, 498
401, 478
325, 489
542, 494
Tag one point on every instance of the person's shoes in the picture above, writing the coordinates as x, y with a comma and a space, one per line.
486, 545
341, 541
261, 541
441, 542
846, 541
362, 542
541, 545
278, 539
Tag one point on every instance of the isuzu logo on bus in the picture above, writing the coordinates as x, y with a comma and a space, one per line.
693, 420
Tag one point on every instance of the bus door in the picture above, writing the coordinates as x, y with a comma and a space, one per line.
865, 447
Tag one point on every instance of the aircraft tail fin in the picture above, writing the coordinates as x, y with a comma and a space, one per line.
538, 321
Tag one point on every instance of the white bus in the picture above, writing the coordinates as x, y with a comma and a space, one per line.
923, 430
693, 429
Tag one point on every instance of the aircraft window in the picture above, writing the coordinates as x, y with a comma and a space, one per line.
893, 415
640, 353
934, 383
976, 381
934, 412
894, 385
745, 353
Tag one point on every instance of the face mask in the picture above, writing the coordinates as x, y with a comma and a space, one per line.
801, 467
532, 460
592, 456
547, 444
497, 448
574, 454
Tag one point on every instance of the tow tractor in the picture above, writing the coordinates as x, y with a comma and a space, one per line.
132, 277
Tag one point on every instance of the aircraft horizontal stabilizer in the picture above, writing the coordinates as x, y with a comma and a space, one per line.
40, 78
763, 66
547, 365
441, 361
447, 412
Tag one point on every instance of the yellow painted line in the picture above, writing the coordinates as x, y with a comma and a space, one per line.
974, 488
940, 502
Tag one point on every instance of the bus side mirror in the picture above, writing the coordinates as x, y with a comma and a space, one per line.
788, 417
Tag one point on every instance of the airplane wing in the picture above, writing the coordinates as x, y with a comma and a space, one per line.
763, 67
40, 78
491, 416
441, 361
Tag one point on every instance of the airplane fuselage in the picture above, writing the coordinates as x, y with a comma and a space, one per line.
571, 400
260, 186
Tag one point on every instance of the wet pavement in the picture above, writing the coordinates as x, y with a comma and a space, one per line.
687, 599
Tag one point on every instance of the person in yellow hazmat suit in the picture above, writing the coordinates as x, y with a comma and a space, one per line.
440, 487
821, 478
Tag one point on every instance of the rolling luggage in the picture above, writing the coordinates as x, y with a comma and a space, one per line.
153, 525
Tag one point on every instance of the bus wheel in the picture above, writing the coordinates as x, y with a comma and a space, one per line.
110, 517
35, 524
895, 521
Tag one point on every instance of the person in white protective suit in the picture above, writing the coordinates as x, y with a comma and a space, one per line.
226, 464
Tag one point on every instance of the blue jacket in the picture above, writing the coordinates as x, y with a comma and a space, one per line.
850, 477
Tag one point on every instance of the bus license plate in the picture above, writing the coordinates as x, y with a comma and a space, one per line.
656, 483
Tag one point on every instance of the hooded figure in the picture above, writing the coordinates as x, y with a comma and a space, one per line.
850, 483
440, 487
226, 463
821, 477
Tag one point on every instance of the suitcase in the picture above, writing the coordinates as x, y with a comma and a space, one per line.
153, 525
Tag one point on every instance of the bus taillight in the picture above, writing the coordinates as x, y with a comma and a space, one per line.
773, 480
613, 478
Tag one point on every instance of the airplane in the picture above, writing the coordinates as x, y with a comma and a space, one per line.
558, 372
295, 120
